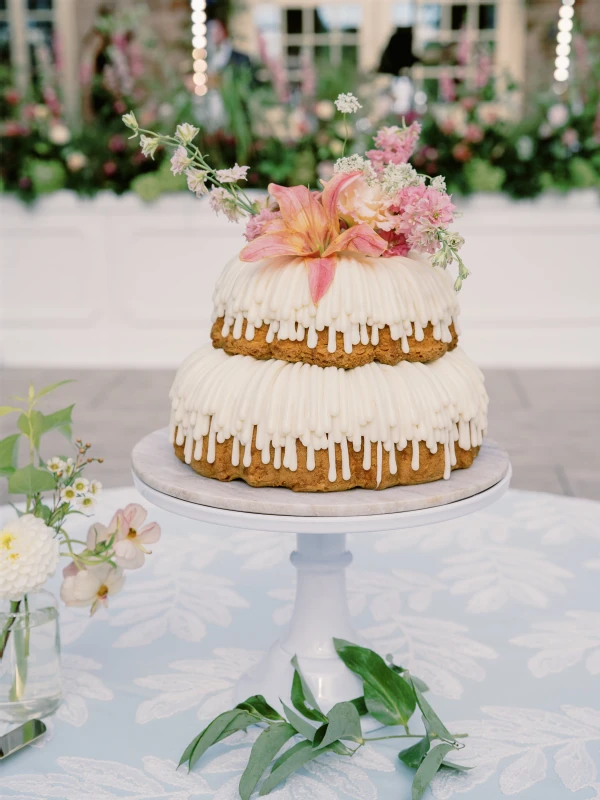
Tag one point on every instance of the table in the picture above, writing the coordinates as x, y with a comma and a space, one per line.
497, 612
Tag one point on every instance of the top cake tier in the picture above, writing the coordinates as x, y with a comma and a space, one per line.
376, 309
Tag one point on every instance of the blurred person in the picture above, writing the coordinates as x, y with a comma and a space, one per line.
396, 60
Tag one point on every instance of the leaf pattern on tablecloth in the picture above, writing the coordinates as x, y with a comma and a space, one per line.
207, 684
180, 598
558, 519
262, 549
563, 643
93, 779
437, 650
492, 575
80, 684
381, 593
522, 743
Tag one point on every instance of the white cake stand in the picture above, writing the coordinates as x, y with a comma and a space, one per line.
320, 522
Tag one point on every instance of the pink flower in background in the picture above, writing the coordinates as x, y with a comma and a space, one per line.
464, 49
469, 103
462, 152
394, 145
109, 168
447, 87
570, 138
310, 228
484, 69
473, 133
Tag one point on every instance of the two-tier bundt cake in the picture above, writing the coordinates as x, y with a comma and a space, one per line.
334, 360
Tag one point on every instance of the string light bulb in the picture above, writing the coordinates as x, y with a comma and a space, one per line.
199, 43
562, 62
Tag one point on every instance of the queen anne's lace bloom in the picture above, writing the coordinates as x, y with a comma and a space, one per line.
355, 163
347, 103
28, 556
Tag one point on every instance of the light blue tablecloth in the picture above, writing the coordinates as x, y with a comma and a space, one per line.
499, 613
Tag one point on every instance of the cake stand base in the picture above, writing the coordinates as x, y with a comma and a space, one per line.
321, 557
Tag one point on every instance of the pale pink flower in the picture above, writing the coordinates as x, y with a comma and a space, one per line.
180, 161
360, 201
447, 87
91, 586
232, 175
132, 538
196, 181
222, 201
257, 224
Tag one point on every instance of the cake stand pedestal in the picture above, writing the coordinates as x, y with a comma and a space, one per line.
321, 523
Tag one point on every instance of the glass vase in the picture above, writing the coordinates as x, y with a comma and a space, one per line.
30, 685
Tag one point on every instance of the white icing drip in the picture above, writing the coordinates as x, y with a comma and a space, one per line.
405, 293
280, 404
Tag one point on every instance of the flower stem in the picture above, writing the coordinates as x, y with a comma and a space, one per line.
14, 608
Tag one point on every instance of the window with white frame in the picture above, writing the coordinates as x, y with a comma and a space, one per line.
451, 39
27, 32
327, 33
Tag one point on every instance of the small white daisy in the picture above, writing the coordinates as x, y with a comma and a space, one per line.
95, 487
81, 485
68, 494
69, 467
87, 504
55, 464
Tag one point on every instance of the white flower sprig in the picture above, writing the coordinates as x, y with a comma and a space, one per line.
222, 185
347, 104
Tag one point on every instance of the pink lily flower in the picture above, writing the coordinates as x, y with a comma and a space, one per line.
310, 228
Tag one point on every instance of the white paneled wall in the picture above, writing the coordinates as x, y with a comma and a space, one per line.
115, 282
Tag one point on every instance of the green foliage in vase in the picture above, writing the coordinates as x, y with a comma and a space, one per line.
391, 695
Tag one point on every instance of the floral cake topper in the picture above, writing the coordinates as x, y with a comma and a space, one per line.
376, 204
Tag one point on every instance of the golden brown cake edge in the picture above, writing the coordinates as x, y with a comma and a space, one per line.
431, 468
387, 351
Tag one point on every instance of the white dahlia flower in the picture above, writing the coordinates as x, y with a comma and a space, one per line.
28, 556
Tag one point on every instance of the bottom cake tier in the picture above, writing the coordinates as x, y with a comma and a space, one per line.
309, 428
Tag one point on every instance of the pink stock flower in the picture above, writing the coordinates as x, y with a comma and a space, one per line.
394, 145
310, 229
180, 161
422, 212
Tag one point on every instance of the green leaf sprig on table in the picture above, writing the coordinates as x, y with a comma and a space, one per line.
390, 694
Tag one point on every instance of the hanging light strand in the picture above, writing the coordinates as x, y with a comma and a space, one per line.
562, 62
199, 46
